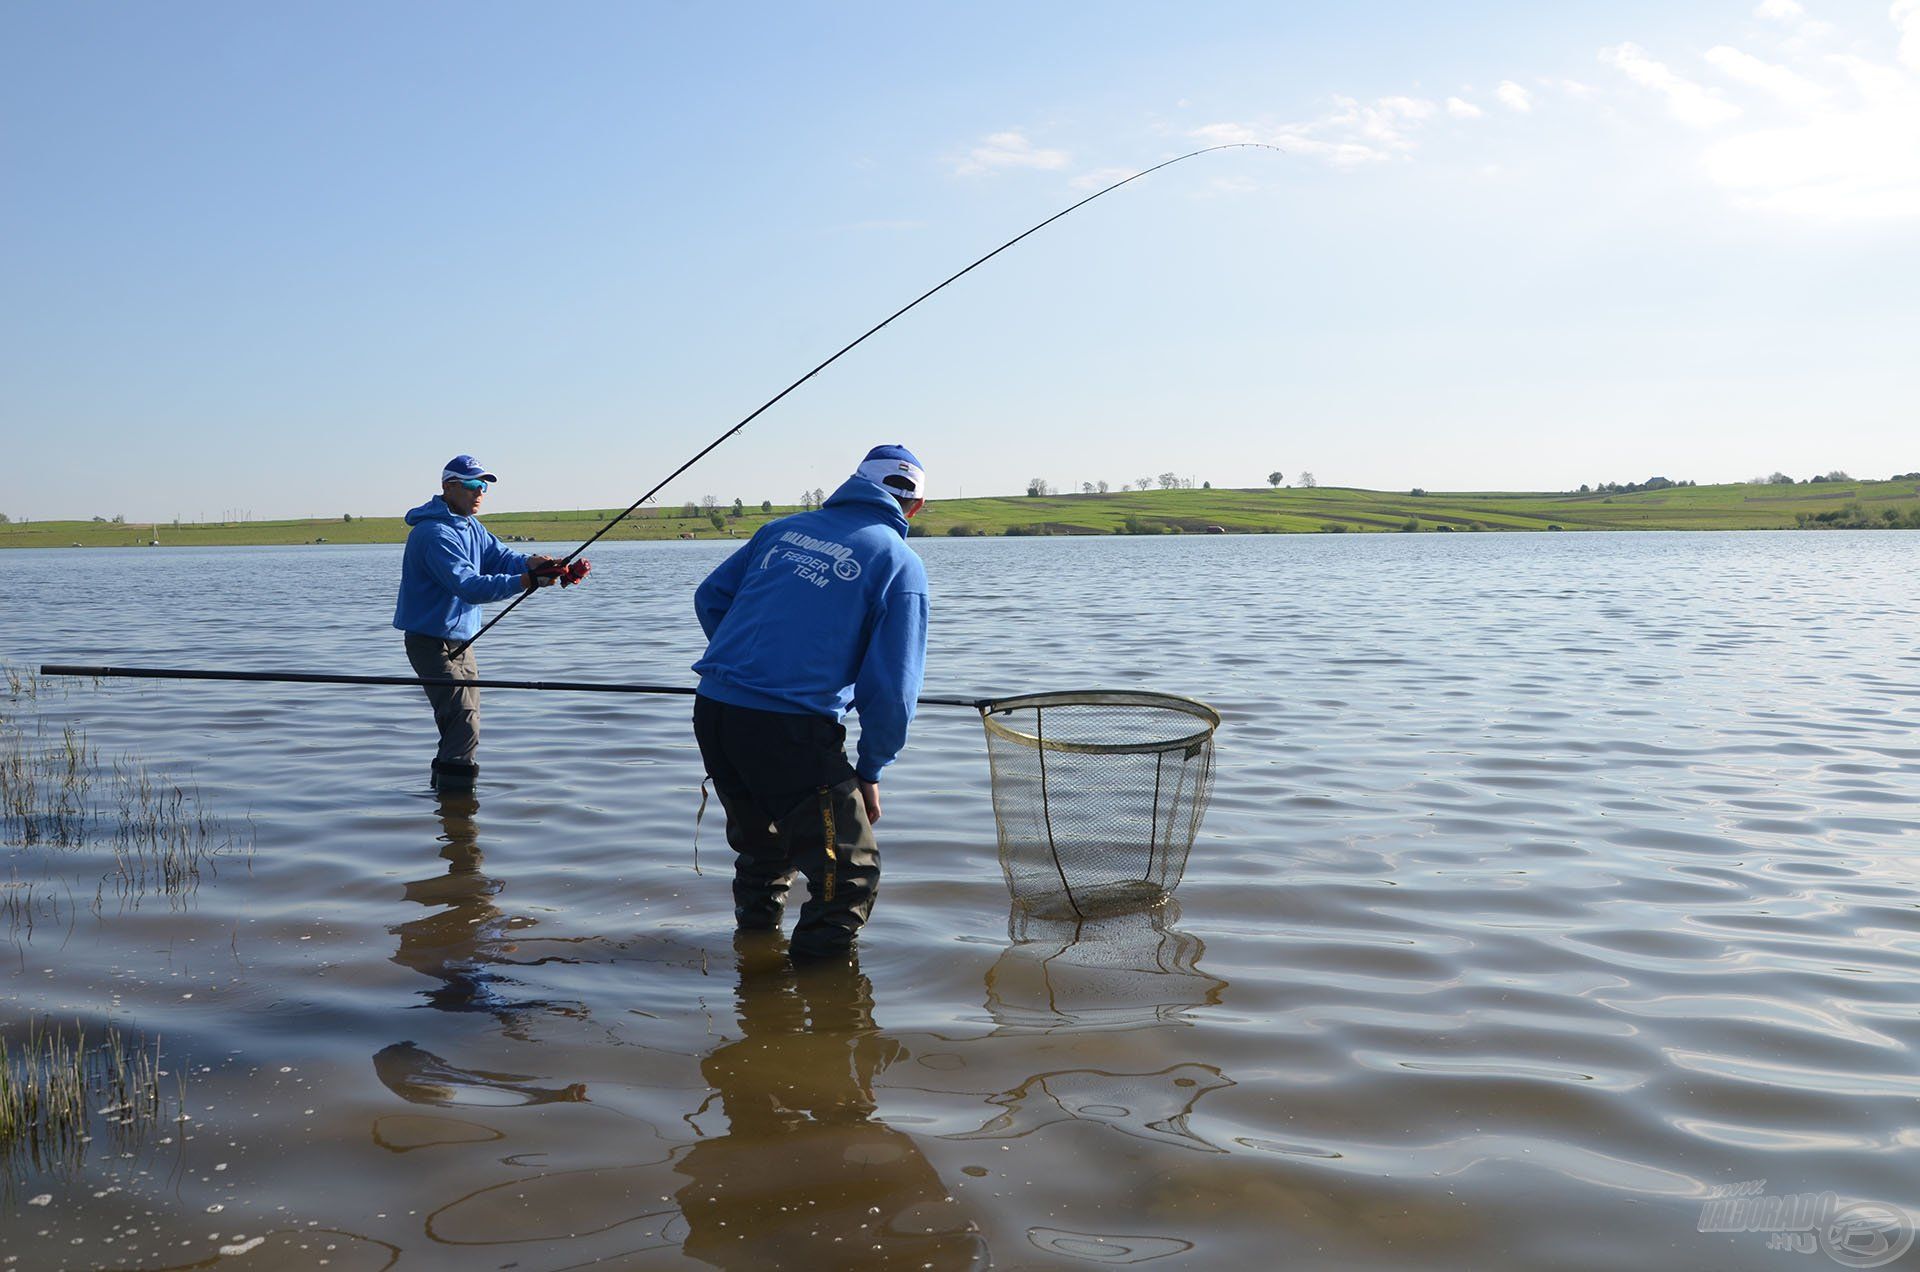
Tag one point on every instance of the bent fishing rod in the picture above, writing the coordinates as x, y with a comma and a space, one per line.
844, 350
328, 678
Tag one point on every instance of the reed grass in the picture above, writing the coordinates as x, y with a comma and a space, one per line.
55, 793
61, 1090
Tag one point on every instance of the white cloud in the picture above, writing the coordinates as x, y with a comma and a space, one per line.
1778, 10
1687, 101
1352, 134
1852, 159
1459, 108
1514, 97
1906, 20
1009, 149
1789, 86
1831, 168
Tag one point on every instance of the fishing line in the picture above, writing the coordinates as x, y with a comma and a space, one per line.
848, 348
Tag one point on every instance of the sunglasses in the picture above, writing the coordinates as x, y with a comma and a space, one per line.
473, 483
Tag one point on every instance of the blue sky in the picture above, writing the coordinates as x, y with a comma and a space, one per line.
289, 257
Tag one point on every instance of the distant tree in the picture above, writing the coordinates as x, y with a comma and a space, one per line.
819, 497
1410, 525
766, 505
1206, 485
1037, 486
806, 500
346, 517
1169, 481
1306, 479
119, 519
689, 509
3, 518
1275, 477
1777, 478
708, 503
1144, 483
1086, 487
1583, 488
1417, 491
739, 509
1838, 475
102, 520
1102, 486
716, 520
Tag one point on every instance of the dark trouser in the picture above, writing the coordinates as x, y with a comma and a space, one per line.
456, 711
792, 803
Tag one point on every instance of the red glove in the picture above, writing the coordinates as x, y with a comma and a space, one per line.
565, 574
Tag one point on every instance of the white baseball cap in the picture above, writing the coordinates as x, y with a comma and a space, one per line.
896, 468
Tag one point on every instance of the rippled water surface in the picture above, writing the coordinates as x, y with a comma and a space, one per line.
1550, 884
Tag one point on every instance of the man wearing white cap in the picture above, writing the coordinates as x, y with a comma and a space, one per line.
817, 613
452, 566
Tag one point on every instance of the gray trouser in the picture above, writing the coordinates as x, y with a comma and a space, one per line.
456, 711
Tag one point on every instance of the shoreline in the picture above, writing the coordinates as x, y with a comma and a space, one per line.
1291, 510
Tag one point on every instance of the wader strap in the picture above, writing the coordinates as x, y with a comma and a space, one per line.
826, 824
702, 812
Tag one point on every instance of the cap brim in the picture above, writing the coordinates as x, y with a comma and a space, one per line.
488, 477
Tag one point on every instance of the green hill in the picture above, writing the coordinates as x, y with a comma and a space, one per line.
1325, 509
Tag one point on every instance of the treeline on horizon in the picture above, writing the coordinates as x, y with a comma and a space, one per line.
1827, 501
717, 513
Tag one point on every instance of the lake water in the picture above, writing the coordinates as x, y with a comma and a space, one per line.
1553, 885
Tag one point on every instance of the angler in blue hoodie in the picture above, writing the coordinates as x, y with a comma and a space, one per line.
452, 566
816, 613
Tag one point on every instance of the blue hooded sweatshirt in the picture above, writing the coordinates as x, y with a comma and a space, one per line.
452, 566
821, 611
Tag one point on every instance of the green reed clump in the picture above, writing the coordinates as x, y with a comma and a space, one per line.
44, 785
22, 684
163, 834
61, 1089
160, 833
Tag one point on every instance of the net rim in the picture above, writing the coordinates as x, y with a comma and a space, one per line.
1101, 698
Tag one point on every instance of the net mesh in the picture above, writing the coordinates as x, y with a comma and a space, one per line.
1098, 796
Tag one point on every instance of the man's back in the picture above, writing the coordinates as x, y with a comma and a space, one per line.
819, 611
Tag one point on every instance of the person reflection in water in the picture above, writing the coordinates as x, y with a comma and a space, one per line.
458, 944
804, 1176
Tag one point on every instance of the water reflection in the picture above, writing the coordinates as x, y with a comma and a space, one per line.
1125, 972
802, 1175
1119, 972
459, 944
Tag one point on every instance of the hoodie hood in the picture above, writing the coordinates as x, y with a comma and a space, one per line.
435, 509
859, 492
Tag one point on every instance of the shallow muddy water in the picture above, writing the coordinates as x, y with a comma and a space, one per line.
1553, 887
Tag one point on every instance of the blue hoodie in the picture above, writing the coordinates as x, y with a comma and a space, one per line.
453, 565
820, 611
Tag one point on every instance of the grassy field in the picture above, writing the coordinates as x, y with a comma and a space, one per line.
1326, 509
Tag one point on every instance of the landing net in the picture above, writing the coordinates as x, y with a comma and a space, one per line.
1098, 796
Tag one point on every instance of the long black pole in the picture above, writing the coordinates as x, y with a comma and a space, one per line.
846, 349
328, 678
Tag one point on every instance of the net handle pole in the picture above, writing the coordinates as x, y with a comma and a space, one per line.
437, 682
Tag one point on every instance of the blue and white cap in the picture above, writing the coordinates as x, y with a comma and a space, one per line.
896, 468
465, 468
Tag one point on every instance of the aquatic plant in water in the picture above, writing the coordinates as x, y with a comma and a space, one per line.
61, 1090
161, 835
